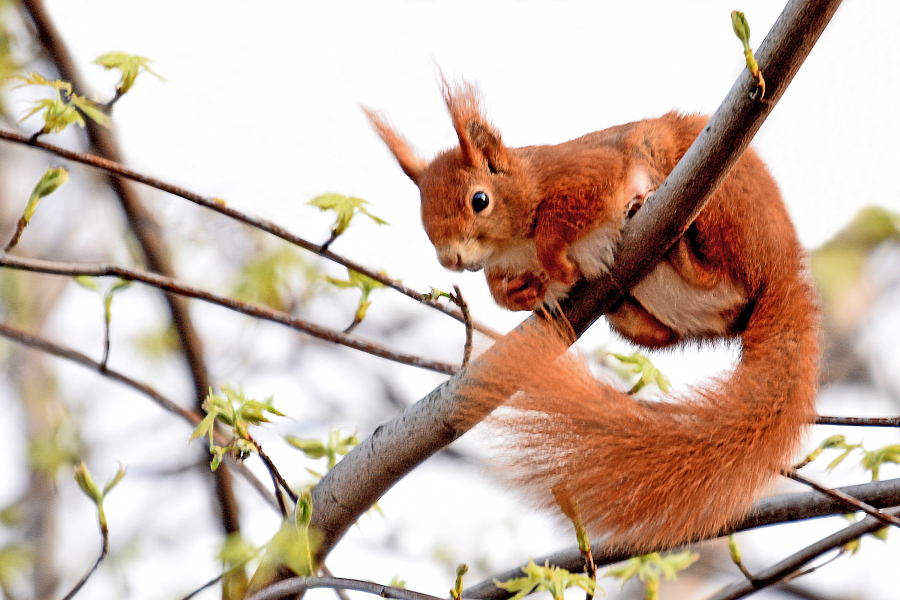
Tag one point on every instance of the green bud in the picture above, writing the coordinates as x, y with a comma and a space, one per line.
741, 26
87, 484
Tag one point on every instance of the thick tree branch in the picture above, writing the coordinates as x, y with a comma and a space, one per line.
416, 433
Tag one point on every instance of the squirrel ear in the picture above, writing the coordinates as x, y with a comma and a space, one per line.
410, 162
479, 141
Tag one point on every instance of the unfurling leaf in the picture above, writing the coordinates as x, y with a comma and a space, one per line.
86, 482
364, 284
129, 65
552, 579
638, 363
742, 31
345, 208
65, 108
50, 181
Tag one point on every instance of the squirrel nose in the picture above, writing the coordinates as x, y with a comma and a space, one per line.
450, 259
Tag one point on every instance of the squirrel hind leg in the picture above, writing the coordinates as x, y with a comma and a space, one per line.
632, 321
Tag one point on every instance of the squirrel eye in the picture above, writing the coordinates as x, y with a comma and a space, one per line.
480, 201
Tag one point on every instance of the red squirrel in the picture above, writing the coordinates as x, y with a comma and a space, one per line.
641, 474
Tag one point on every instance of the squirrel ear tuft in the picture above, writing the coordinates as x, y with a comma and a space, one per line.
479, 141
411, 163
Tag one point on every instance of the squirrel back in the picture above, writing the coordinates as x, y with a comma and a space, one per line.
643, 475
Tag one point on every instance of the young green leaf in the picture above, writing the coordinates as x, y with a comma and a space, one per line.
638, 363
552, 579
456, 592
87, 282
120, 473
129, 65
742, 30
49, 182
649, 568
345, 208
65, 108
365, 284
86, 482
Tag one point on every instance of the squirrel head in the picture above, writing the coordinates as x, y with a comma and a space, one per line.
474, 197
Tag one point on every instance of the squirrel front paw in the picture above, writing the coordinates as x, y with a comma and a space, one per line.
525, 291
563, 270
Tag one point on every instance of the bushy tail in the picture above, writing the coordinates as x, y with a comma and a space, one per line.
648, 475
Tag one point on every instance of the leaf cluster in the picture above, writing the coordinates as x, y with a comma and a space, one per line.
334, 446
551, 579
871, 460
65, 108
637, 363
238, 413
649, 568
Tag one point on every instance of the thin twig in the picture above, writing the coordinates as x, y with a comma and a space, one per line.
17, 235
848, 500
297, 585
174, 286
219, 206
69, 354
104, 550
783, 569
276, 475
467, 319
206, 585
858, 421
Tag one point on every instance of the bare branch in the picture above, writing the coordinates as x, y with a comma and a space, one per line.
859, 421
218, 205
299, 585
173, 286
846, 499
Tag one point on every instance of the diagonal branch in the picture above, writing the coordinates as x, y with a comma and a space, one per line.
787, 567
175, 287
192, 417
115, 168
416, 433
848, 500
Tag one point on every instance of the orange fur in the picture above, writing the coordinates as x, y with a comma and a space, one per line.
642, 474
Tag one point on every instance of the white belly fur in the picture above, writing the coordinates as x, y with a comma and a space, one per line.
684, 308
